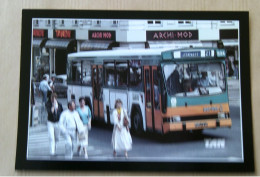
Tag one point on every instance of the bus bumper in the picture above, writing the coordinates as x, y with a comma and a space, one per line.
196, 125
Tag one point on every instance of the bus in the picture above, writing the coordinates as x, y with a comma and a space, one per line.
162, 90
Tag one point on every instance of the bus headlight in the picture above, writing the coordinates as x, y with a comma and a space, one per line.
221, 115
175, 119
173, 102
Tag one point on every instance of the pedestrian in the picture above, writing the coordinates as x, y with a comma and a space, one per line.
70, 124
85, 115
54, 109
44, 88
51, 83
121, 138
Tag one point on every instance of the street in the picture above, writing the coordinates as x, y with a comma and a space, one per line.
216, 145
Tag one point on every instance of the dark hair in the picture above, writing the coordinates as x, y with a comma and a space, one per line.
53, 95
81, 98
70, 103
118, 101
49, 93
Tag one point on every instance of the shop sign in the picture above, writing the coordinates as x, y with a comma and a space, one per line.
172, 35
101, 35
40, 33
64, 34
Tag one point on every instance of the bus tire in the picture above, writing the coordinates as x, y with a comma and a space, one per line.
137, 122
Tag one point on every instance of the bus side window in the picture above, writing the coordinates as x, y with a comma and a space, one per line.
109, 78
100, 81
135, 76
121, 74
86, 73
156, 90
95, 83
148, 89
76, 72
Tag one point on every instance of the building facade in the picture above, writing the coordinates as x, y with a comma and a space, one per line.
54, 39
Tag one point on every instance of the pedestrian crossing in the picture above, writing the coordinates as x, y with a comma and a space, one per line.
38, 148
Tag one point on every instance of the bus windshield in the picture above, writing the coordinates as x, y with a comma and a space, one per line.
194, 79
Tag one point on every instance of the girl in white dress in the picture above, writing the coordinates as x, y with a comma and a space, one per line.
121, 138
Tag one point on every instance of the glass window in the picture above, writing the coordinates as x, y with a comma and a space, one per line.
194, 79
76, 72
69, 71
156, 90
109, 79
86, 73
95, 86
135, 76
121, 74
148, 89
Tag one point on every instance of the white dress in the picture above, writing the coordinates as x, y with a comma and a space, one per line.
121, 140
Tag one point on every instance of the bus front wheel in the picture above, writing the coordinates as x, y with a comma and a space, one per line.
137, 123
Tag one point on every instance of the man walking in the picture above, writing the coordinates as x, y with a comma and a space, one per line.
70, 123
44, 88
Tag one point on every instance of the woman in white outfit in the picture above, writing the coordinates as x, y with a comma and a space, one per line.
121, 138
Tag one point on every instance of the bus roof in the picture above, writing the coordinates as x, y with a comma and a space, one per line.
116, 53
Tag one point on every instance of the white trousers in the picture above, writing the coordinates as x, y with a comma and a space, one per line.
70, 138
54, 135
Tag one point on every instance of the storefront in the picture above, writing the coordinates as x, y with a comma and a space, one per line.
173, 39
99, 40
60, 46
40, 61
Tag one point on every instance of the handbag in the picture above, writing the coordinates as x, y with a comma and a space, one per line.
81, 136
125, 120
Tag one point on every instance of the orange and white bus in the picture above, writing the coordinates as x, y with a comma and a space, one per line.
162, 91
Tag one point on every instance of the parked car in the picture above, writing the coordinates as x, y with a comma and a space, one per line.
60, 85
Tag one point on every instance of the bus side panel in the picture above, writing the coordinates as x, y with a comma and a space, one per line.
69, 92
137, 98
158, 117
101, 109
76, 90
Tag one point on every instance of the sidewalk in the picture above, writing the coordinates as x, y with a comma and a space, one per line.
38, 128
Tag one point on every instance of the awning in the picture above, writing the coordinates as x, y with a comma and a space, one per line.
38, 42
93, 45
62, 44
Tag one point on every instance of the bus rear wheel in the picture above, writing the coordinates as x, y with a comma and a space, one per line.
137, 123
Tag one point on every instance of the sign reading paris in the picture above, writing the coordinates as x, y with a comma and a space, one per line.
172, 35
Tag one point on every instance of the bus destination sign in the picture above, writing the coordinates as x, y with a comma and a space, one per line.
172, 35
193, 54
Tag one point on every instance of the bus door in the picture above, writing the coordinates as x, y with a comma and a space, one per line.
156, 99
97, 73
148, 99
